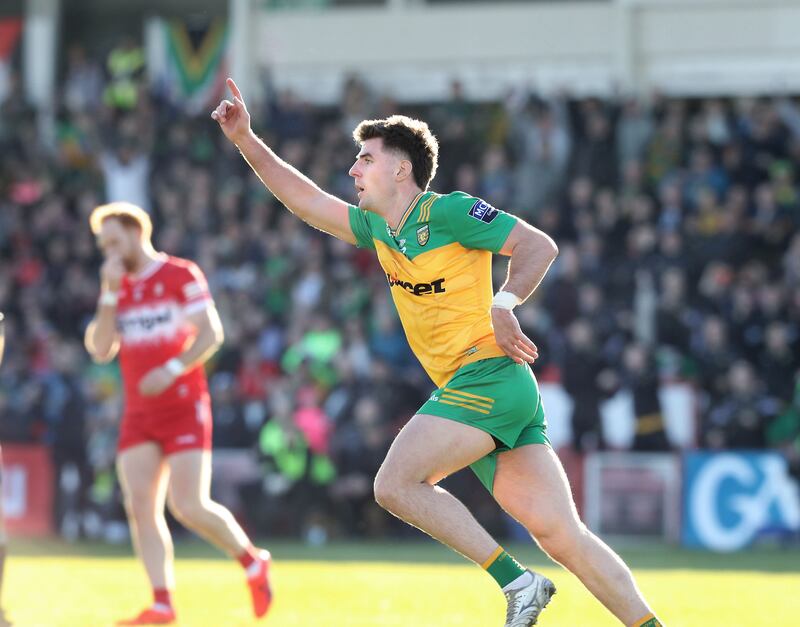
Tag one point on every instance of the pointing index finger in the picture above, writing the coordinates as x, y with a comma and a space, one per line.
234, 89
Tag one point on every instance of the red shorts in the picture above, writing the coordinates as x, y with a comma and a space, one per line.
175, 429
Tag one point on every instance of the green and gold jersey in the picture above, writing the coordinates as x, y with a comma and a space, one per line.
439, 266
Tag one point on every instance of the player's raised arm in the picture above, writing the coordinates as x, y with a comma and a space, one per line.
299, 193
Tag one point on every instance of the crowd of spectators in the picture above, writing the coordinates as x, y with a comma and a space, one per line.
677, 221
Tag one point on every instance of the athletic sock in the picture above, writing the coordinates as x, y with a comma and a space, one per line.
648, 621
250, 561
247, 557
523, 580
162, 599
503, 568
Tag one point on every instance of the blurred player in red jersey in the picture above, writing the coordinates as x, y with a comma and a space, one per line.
156, 311
3, 536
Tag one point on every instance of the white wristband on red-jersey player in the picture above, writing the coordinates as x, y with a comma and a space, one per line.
175, 367
506, 300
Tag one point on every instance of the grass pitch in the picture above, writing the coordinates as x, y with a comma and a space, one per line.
416, 584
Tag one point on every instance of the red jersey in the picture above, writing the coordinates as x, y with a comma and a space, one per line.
153, 326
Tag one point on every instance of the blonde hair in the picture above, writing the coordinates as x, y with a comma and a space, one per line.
128, 214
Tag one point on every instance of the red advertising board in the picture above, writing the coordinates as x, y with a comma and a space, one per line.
27, 490
10, 30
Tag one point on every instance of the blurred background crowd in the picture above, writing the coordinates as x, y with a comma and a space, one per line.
678, 222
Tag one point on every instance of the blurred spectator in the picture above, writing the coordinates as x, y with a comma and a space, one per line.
784, 432
358, 449
583, 376
779, 361
289, 117
714, 356
640, 378
126, 166
595, 153
230, 428
634, 128
562, 293
65, 413
540, 137
740, 417
125, 65
664, 151
289, 498
83, 83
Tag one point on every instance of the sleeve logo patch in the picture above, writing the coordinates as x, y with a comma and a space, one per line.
483, 211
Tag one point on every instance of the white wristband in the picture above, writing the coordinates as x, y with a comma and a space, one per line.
506, 300
175, 367
109, 298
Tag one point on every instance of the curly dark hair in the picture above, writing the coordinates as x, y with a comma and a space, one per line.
411, 137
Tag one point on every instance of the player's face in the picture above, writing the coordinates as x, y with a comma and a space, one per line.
375, 173
115, 240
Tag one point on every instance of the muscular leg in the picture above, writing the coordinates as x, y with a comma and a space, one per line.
428, 449
190, 501
144, 476
530, 484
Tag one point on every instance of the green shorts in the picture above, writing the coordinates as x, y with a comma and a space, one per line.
497, 396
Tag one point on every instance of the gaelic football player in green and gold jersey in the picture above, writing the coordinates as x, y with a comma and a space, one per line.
486, 412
